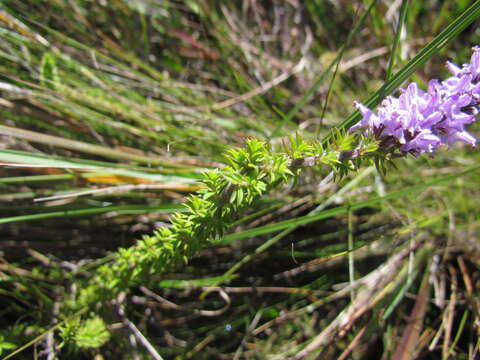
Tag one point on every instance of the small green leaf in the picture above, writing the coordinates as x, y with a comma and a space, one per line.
48, 71
92, 333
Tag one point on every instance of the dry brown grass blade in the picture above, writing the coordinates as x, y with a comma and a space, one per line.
15, 24
353, 344
466, 277
84, 147
375, 286
407, 345
261, 89
450, 312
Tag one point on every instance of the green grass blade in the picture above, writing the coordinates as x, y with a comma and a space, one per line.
396, 39
120, 210
342, 209
35, 178
442, 39
460, 329
12, 157
400, 295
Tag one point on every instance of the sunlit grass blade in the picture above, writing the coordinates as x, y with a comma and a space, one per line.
396, 40
84, 147
400, 295
15, 158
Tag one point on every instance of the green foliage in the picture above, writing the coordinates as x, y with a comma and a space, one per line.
92, 333
253, 170
5, 345
167, 91
89, 333
48, 71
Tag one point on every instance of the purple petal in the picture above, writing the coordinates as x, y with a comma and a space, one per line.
370, 120
466, 138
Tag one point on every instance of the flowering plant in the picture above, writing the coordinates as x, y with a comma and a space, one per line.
419, 121
415, 122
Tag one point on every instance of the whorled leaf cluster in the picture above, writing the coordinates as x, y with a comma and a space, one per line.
251, 172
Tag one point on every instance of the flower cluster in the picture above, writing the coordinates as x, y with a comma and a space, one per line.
419, 121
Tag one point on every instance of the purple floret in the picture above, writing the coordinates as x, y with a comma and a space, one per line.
419, 121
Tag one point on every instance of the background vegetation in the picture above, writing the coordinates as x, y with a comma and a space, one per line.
110, 111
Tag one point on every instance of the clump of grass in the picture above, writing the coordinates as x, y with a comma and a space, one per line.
113, 110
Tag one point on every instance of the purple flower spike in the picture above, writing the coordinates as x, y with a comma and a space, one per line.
419, 121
